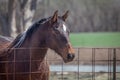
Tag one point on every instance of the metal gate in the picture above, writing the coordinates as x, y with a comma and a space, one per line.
89, 64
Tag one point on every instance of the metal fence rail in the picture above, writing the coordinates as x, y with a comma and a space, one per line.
89, 64
94, 57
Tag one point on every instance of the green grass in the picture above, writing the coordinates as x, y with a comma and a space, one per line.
95, 39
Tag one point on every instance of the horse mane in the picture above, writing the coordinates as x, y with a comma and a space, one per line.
27, 34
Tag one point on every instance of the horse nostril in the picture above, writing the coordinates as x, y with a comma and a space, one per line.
70, 56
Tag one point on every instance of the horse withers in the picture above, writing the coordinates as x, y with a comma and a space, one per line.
24, 58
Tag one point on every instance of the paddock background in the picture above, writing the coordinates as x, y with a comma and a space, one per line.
99, 39
89, 64
93, 24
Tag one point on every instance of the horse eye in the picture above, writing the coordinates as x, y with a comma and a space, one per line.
56, 27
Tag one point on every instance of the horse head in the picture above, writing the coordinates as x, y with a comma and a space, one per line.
58, 37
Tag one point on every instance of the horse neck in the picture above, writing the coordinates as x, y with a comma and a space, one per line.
38, 54
37, 46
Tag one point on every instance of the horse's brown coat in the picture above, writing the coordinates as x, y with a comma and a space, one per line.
24, 58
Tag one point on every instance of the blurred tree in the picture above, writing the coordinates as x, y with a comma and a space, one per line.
18, 17
25, 13
85, 15
11, 18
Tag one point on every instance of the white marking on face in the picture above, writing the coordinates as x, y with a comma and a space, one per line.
64, 27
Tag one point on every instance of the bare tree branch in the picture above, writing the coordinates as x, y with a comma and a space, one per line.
11, 17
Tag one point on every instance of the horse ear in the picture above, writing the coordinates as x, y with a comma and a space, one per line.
55, 17
64, 17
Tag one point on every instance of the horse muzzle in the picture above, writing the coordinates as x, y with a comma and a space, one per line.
71, 53
70, 57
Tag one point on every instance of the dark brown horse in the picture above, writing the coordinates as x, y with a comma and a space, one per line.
24, 58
